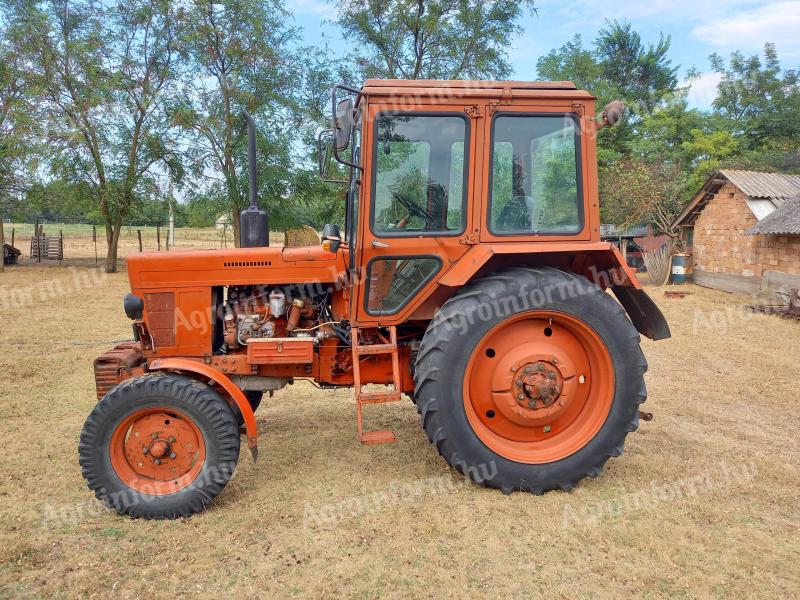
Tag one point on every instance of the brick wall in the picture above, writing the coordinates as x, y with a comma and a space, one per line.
720, 245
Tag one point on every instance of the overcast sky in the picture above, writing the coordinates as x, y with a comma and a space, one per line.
697, 27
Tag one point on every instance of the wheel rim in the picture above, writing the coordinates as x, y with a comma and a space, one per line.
538, 386
157, 451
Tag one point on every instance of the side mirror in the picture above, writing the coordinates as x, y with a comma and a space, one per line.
612, 113
343, 123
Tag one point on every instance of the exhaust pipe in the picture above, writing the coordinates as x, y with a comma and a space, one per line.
253, 221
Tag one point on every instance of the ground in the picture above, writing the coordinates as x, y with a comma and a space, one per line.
703, 503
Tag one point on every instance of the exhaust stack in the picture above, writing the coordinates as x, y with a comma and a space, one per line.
253, 220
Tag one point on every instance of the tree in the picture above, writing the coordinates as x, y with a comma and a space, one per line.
240, 59
635, 191
145, 53
618, 67
17, 117
104, 74
431, 39
760, 101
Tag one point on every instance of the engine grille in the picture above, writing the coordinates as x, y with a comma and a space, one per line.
115, 365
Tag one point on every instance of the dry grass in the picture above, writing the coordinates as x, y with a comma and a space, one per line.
723, 391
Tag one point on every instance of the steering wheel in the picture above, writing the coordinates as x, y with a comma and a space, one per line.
414, 209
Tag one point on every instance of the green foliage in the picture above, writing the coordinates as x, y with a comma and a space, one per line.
635, 191
431, 39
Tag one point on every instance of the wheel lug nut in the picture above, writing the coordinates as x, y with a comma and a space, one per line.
172, 455
156, 462
154, 435
520, 397
546, 429
171, 440
145, 450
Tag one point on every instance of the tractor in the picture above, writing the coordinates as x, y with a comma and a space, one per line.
468, 276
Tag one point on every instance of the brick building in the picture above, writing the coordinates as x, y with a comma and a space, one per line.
743, 230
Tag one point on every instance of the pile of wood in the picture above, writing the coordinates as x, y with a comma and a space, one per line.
790, 310
10, 254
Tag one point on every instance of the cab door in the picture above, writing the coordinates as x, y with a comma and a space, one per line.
416, 190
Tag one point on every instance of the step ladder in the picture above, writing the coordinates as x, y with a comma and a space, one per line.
383, 436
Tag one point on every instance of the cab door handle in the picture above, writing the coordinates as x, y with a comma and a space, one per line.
377, 244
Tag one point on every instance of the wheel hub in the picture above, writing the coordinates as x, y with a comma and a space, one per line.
157, 452
158, 448
538, 385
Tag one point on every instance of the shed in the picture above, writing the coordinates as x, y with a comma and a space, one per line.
743, 230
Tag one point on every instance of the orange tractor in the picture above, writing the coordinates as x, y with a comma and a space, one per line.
469, 276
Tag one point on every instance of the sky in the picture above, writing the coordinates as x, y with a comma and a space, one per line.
697, 27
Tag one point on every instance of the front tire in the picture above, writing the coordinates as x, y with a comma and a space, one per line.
530, 379
159, 446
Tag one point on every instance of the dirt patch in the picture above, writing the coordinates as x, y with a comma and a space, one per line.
704, 502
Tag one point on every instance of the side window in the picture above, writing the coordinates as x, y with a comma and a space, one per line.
420, 169
395, 280
536, 185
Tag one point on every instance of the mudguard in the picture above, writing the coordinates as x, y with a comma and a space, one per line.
643, 312
183, 365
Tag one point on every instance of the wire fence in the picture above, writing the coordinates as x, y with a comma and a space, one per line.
86, 244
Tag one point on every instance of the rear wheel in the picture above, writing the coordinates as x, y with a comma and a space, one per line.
530, 379
159, 446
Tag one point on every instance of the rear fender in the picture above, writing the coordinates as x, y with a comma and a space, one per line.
184, 365
600, 262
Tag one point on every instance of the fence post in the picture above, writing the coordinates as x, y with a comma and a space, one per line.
94, 239
61, 246
139, 234
3, 244
12, 236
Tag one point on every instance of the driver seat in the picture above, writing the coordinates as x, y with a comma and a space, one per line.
437, 204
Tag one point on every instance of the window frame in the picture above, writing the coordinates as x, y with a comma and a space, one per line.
580, 197
413, 295
374, 174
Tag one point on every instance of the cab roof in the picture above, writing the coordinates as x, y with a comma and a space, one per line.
462, 88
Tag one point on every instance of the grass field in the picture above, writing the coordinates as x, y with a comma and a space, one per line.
703, 503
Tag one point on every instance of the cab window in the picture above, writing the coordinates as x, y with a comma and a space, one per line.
420, 174
536, 184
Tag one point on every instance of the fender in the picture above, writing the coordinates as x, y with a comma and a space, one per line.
185, 365
600, 262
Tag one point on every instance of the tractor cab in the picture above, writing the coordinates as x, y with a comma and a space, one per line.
444, 175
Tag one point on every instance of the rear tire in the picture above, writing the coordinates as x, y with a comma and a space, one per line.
159, 446
530, 379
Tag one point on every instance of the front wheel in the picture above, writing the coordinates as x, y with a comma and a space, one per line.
159, 446
530, 379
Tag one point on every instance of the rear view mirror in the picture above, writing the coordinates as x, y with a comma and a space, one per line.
343, 123
612, 112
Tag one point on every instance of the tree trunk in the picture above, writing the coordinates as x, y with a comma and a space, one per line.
237, 240
111, 256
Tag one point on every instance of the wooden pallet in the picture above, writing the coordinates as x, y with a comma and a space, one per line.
47, 248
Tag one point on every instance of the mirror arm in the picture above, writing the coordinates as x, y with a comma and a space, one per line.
345, 88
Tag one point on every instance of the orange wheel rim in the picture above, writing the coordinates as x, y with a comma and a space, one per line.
538, 387
157, 451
